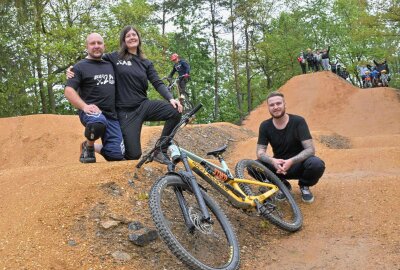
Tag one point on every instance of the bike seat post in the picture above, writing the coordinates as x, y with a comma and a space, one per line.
224, 166
222, 161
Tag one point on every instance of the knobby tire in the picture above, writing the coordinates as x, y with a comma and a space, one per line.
283, 212
212, 247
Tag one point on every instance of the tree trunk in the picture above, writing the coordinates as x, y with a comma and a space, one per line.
38, 51
216, 76
235, 64
41, 85
50, 92
248, 78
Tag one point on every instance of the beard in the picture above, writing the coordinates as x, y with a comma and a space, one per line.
278, 114
96, 54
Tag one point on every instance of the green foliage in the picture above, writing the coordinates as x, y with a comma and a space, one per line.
41, 38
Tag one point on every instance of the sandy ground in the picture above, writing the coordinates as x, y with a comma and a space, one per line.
52, 207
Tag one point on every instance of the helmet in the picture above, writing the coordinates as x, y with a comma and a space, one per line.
383, 71
174, 56
367, 72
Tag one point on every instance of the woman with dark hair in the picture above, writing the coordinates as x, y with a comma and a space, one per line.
133, 72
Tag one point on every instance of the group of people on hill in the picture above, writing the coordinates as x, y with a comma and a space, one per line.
374, 75
371, 76
319, 60
314, 61
110, 92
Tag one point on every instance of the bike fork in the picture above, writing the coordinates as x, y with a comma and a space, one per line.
184, 209
196, 190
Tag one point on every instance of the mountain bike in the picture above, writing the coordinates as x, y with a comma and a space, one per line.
182, 95
189, 221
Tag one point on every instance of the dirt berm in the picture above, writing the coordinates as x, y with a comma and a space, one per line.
53, 209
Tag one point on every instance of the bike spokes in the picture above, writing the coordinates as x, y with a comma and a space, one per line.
280, 208
209, 245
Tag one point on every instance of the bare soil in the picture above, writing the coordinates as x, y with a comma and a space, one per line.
53, 208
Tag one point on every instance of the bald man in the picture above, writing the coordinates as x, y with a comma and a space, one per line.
92, 92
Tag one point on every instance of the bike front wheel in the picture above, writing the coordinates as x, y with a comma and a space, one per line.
206, 245
281, 208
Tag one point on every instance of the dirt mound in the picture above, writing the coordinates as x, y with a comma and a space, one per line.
53, 207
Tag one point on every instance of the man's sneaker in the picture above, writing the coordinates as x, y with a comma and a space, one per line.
279, 195
161, 157
87, 153
306, 194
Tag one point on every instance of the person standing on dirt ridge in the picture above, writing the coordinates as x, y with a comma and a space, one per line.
325, 58
302, 61
92, 92
310, 60
292, 145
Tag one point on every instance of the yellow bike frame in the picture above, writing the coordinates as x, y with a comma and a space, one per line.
229, 188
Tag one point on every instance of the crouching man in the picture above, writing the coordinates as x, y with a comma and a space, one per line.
292, 146
92, 92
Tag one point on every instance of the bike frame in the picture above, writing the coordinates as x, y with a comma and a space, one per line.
230, 187
218, 176
174, 83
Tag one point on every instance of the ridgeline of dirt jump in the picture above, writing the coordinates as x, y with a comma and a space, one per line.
54, 209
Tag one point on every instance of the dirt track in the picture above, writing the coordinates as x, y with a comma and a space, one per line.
52, 206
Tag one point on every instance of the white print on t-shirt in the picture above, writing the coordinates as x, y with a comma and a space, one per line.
104, 79
124, 63
178, 67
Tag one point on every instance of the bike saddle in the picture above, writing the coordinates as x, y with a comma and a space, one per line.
218, 151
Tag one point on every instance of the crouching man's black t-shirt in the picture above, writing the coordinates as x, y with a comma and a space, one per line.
95, 82
285, 143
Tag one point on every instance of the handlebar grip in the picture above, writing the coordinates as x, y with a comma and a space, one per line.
141, 162
145, 158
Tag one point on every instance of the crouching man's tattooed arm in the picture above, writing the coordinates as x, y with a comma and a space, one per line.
262, 154
309, 150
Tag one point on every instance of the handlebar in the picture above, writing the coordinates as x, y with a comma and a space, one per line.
184, 120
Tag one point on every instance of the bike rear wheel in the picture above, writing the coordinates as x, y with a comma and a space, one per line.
281, 208
208, 246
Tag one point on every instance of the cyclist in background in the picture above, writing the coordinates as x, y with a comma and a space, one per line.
183, 69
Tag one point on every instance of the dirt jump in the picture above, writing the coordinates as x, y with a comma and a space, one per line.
57, 213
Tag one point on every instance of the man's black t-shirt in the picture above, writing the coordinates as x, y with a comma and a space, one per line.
132, 78
95, 83
286, 143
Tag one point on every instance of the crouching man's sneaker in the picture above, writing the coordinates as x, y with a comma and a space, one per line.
306, 195
87, 153
161, 157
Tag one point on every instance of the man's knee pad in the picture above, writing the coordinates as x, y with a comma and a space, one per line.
94, 131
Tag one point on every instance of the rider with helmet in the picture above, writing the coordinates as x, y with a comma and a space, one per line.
183, 69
